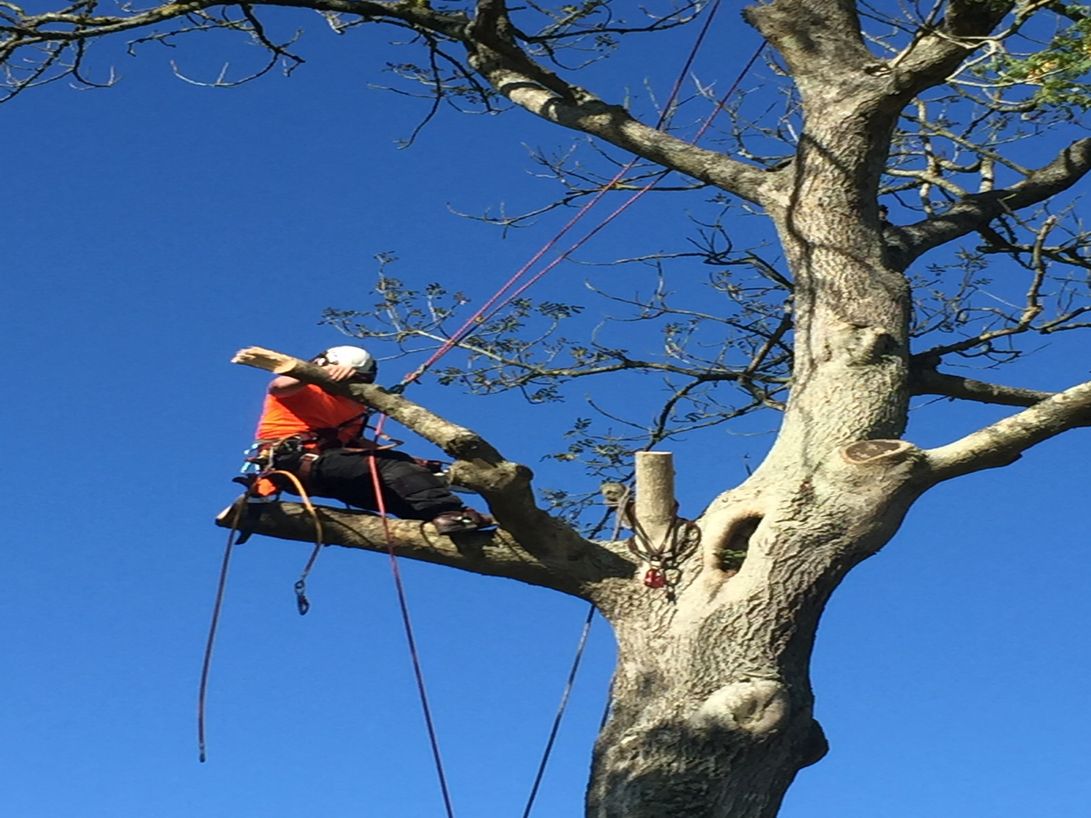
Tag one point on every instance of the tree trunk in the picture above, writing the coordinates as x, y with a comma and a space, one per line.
711, 710
688, 735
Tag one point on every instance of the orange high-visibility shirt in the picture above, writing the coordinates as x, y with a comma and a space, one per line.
307, 410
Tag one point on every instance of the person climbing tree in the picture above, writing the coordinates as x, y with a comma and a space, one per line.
319, 437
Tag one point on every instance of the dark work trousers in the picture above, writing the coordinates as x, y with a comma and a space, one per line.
410, 491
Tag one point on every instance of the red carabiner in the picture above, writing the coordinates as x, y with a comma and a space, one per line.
654, 578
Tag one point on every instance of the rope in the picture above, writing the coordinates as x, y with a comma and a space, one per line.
483, 313
206, 665
580, 647
300, 586
414, 655
217, 606
560, 710
633, 199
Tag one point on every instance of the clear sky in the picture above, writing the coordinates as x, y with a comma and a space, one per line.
152, 229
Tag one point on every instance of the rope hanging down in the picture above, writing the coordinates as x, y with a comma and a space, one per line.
407, 624
571, 681
237, 509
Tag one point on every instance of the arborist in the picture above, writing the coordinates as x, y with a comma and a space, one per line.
319, 437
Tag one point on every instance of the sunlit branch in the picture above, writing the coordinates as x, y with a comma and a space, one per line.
1003, 442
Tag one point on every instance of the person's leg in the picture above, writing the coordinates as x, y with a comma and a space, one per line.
345, 476
414, 492
423, 496
410, 491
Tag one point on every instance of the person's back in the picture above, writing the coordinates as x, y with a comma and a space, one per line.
307, 410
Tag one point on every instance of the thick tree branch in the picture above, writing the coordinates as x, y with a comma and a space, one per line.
495, 54
1003, 442
927, 381
506, 486
977, 209
489, 553
817, 38
939, 48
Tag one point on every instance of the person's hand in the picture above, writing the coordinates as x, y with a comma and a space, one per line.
339, 372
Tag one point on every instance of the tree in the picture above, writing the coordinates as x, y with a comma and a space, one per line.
711, 707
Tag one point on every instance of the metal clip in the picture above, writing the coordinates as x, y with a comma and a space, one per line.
301, 602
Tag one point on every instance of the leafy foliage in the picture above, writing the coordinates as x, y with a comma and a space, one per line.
1058, 72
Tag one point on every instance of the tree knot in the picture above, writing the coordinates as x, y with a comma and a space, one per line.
756, 706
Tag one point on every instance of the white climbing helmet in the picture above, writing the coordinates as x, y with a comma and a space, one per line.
358, 358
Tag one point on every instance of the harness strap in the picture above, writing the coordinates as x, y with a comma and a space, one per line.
306, 465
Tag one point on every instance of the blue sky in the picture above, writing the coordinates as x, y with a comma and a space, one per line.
152, 229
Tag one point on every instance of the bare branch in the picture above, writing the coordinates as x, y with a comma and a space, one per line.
927, 381
976, 210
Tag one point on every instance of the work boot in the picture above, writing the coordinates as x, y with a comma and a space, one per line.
465, 519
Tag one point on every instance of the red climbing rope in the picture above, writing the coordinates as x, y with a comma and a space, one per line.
483, 312
410, 639
478, 318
